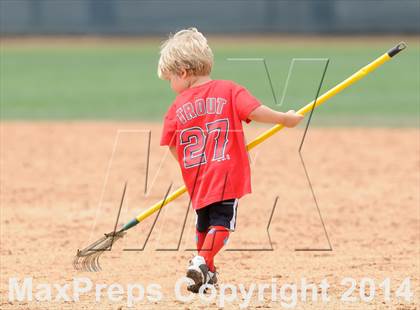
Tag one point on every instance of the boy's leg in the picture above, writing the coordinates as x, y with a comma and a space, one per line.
201, 226
198, 270
216, 238
200, 236
222, 220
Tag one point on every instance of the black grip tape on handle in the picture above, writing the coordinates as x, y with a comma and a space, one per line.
396, 49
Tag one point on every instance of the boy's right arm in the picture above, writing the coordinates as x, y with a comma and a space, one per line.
264, 114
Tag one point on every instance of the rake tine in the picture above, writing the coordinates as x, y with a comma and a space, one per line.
95, 262
78, 261
87, 263
92, 262
87, 259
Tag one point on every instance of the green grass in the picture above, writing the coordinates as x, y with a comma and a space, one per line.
119, 82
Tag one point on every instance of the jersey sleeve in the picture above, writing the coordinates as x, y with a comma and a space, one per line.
169, 129
244, 102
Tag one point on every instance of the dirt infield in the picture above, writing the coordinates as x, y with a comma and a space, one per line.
61, 184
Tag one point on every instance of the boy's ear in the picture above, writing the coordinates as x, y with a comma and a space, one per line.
183, 73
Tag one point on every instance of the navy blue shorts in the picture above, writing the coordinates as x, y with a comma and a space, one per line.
221, 213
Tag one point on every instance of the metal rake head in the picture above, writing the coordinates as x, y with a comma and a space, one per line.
87, 259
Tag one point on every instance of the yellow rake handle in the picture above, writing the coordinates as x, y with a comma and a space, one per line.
267, 134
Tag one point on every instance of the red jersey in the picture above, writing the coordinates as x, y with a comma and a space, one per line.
204, 123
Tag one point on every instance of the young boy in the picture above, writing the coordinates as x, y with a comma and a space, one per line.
203, 129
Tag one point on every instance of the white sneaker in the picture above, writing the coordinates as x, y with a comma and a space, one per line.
198, 272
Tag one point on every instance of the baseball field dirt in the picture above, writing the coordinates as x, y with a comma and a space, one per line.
61, 183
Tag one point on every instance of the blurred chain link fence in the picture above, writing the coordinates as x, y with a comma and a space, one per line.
130, 17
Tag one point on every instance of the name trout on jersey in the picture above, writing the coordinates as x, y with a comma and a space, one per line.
200, 107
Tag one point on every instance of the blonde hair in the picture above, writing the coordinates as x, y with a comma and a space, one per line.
187, 49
